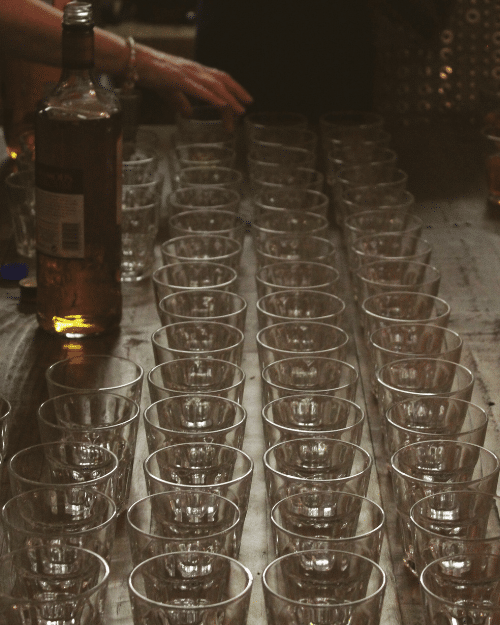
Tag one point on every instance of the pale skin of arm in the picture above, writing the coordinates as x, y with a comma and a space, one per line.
31, 29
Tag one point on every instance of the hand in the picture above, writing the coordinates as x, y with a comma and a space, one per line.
174, 78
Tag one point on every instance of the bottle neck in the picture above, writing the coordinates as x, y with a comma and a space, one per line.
78, 47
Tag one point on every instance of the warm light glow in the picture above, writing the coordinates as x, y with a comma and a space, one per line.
73, 347
69, 325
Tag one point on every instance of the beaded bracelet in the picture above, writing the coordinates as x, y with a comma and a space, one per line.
132, 75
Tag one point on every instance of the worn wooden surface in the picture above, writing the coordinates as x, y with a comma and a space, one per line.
446, 174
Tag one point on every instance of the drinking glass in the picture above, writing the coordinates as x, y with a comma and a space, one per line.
312, 414
304, 374
104, 419
432, 417
386, 275
182, 521
299, 305
388, 219
402, 307
211, 305
44, 584
53, 516
190, 587
82, 373
200, 339
296, 221
208, 221
225, 177
421, 377
328, 520
279, 199
428, 467
293, 338
71, 466
388, 245
323, 586
140, 163
315, 464
197, 375
5, 426
205, 154
258, 121
375, 198
296, 246
191, 275
200, 198
204, 247
454, 522
208, 467
296, 274
194, 418
461, 588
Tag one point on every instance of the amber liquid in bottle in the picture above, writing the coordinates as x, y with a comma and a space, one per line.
78, 179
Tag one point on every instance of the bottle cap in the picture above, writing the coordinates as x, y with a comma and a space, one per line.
28, 288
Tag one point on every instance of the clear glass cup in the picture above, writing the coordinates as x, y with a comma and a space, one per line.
259, 121
219, 589
380, 220
293, 136
385, 309
209, 221
315, 464
385, 275
5, 426
53, 517
182, 521
454, 522
421, 377
47, 585
221, 306
140, 163
199, 198
297, 274
71, 466
391, 245
328, 520
82, 373
207, 467
383, 198
461, 587
269, 176
293, 338
427, 467
200, 339
276, 199
205, 154
303, 374
296, 246
195, 418
432, 417
205, 247
192, 275
323, 586
105, 419
197, 375
297, 305
141, 204
286, 157
312, 414
20, 187
296, 221
225, 177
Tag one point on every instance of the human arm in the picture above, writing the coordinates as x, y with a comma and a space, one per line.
31, 29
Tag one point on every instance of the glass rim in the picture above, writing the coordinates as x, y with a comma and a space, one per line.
365, 455
88, 359
171, 363
183, 608
447, 602
98, 587
296, 554
474, 540
345, 365
322, 294
329, 328
13, 501
446, 331
89, 427
347, 539
484, 451
415, 295
213, 293
238, 407
147, 498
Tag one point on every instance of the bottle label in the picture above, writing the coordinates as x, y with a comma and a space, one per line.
60, 212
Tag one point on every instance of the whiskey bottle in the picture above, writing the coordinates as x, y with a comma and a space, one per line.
78, 141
